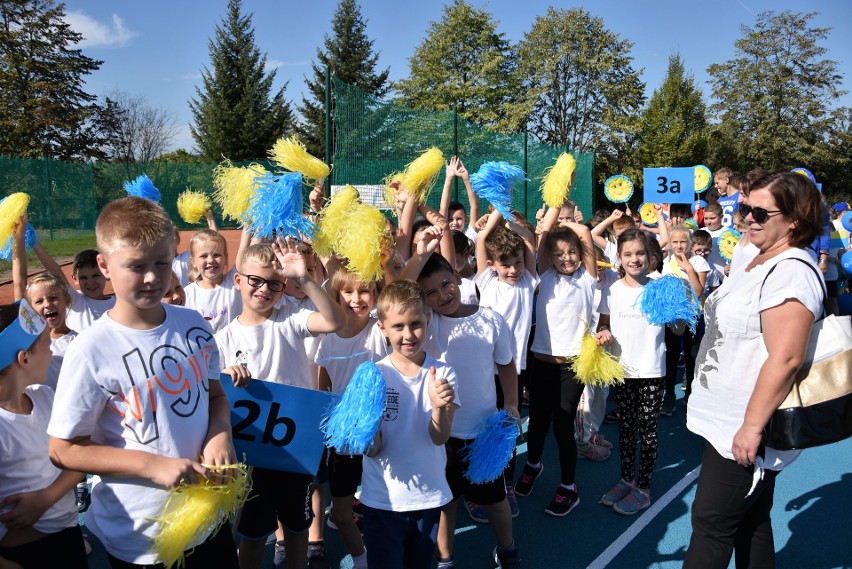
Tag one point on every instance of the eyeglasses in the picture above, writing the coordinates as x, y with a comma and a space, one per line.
759, 214
255, 281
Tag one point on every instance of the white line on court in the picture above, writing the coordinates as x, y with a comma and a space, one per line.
624, 539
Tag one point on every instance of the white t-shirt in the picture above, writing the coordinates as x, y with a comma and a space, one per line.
640, 345
743, 255
611, 252
58, 347
218, 305
605, 279
272, 351
733, 351
467, 291
715, 260
471, 345
563, 310
513, 303
671, 266
84, 310
311, 343
340, 356
408, 471
25, 466
144, 390
180, 265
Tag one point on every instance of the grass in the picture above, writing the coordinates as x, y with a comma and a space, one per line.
65, 243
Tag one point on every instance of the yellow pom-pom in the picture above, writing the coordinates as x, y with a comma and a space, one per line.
421, 173
291, 154
192, 205
195, 511
11, 210
392, 186
234, 188
362, 245
596, 366
332, 220
556, 184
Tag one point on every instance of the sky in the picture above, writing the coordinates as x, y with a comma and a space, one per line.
157, 49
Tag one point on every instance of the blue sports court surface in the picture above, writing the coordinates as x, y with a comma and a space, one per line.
812, 516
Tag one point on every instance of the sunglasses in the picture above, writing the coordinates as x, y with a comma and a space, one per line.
255, 281
759, 214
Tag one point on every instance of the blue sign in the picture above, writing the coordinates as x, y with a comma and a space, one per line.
277, 426
669, 185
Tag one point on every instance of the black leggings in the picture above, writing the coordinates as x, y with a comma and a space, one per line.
638, 408
61, 549
673, 348
554, 396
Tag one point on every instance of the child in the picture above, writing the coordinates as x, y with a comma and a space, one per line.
713, 226
266, 342
175, 294
641, 347
464, 248
338, 356
180, 264
563, 312
729, 195
142, 407
403, 485
454, 211
694, 270
38, 518
211, 290
619, 223
472, 340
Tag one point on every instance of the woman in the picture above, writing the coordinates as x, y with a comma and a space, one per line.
758, 324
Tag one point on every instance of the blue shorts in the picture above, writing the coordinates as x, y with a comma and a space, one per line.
401, 539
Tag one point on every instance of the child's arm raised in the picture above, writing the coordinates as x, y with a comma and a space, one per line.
245, 241
492, 220
329, 316
547, 224
529, 245
588, 253
448, 250
50, 264
19, 259
28, 507
406, 215
444, 208
662, 225
211, 221
442, 395
472, 198
599, 230
427, 245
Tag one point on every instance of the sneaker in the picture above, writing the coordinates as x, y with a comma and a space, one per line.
513, 501
563, 502
599, 440
317, 558
507, 558
279, 560
82, 497
524, 486
446, 564
634, 501
592, 452
618, 492
476, 512
355, 516
611, 417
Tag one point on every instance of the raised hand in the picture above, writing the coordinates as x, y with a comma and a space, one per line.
429, 240
291, 262
441, 392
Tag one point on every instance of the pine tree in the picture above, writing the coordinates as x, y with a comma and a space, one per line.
236, 114
44, 109
349, 54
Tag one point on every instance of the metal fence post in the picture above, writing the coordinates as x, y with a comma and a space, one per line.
526, 172
456, 150
328, 148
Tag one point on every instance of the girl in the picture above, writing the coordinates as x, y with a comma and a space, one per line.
641, 347
464, 249
693, 269
338, 355
38, 513
564, 309
211, 290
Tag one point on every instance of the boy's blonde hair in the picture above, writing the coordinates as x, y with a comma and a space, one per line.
343, 279
260, 253
132, 222
402, 296
50, 280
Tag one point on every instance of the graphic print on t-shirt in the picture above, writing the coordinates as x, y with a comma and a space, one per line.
391, 405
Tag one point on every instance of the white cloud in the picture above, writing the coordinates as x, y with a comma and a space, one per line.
276, 63
100, 34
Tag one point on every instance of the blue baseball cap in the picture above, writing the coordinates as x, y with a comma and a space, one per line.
20, 334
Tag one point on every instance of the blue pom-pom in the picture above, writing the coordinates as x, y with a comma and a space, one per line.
493, 182
669, 299
492, 449
277, 206
30, 241
143, 187
353, 422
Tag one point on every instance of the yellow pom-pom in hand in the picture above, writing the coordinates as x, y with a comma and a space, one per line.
596, 366
556, 184
420, 174
291, 154
195, 511
11, 210
234, 188
332, 219
392, 187
192, 206
362, 246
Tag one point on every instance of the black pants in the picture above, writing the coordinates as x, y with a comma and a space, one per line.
554, 396
724, 520
61, 549
217, 551
673, 349
638, 409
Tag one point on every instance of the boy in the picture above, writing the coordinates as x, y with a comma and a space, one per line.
403, 485
729, 197
454, 211
266, 342
472, 340
713, 225
142, 401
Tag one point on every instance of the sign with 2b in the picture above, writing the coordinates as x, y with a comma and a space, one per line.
669, 185
277, 426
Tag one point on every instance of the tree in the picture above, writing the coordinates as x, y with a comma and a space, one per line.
463, 64
236, 114
140, 132
774, 97
180, 155
349, 54
673, 128
44, 109
579, 87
